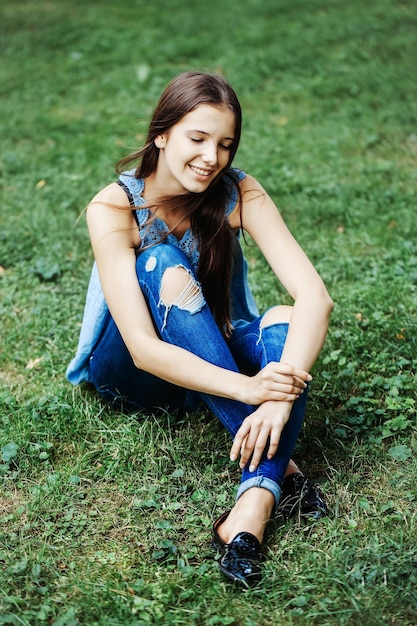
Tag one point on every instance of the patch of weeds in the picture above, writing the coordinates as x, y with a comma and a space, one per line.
8, 454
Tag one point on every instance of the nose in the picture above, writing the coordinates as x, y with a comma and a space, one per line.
210, 153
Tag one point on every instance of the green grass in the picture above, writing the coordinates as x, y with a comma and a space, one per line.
105, 518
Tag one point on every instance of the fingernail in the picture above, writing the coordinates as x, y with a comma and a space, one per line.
252, 468
309, 377
233, 457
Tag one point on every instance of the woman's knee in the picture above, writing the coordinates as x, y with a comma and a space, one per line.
166, 270
277, 315
160, 257
180, 288
153, 262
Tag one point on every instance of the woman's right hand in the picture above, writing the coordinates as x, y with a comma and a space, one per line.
260, 429
276, 381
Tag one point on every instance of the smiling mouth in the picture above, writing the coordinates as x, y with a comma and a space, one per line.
199, 171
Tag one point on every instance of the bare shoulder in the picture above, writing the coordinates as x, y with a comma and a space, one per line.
112, 195
110, 211
249, 183
253, 194
110, 203
253, 198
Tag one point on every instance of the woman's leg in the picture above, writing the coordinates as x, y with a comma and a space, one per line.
120, 382
184, 319
254, 346
300, 497
181, 317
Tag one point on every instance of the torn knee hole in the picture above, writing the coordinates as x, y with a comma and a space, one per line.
174, 281
179, 288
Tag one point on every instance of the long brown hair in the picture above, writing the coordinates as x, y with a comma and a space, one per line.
206, 210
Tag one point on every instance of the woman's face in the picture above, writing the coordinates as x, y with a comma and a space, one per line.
195, 150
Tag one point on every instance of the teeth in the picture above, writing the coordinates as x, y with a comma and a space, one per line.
199, 172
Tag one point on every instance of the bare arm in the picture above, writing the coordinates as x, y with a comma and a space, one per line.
114, 237
309, 318
312, 303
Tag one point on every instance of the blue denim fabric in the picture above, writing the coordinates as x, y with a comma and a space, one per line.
96, 312
193, 328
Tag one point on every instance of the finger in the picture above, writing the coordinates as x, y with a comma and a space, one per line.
288, 381
286, 368
275, 436
247, 449
289, 388
284, 382
238, 441
286, 378
286, 397
298, 383
242, 447
258, 449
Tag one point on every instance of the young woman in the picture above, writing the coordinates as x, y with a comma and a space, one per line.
169, 316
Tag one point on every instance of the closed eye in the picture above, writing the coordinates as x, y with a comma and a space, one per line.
222, 146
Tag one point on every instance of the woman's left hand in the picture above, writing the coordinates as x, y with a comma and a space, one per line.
251, 439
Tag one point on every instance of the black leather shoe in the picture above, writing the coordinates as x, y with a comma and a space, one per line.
240, 559
300, 497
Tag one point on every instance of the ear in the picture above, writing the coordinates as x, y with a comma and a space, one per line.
160, 141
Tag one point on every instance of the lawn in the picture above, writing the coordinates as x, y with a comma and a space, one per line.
105, 517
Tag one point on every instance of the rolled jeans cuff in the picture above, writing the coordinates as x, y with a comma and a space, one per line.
264, 483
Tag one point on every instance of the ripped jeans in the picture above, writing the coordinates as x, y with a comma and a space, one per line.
188, 323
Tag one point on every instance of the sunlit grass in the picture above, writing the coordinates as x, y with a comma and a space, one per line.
104, 517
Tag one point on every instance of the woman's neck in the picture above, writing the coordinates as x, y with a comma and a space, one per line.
174, 217
155, 187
